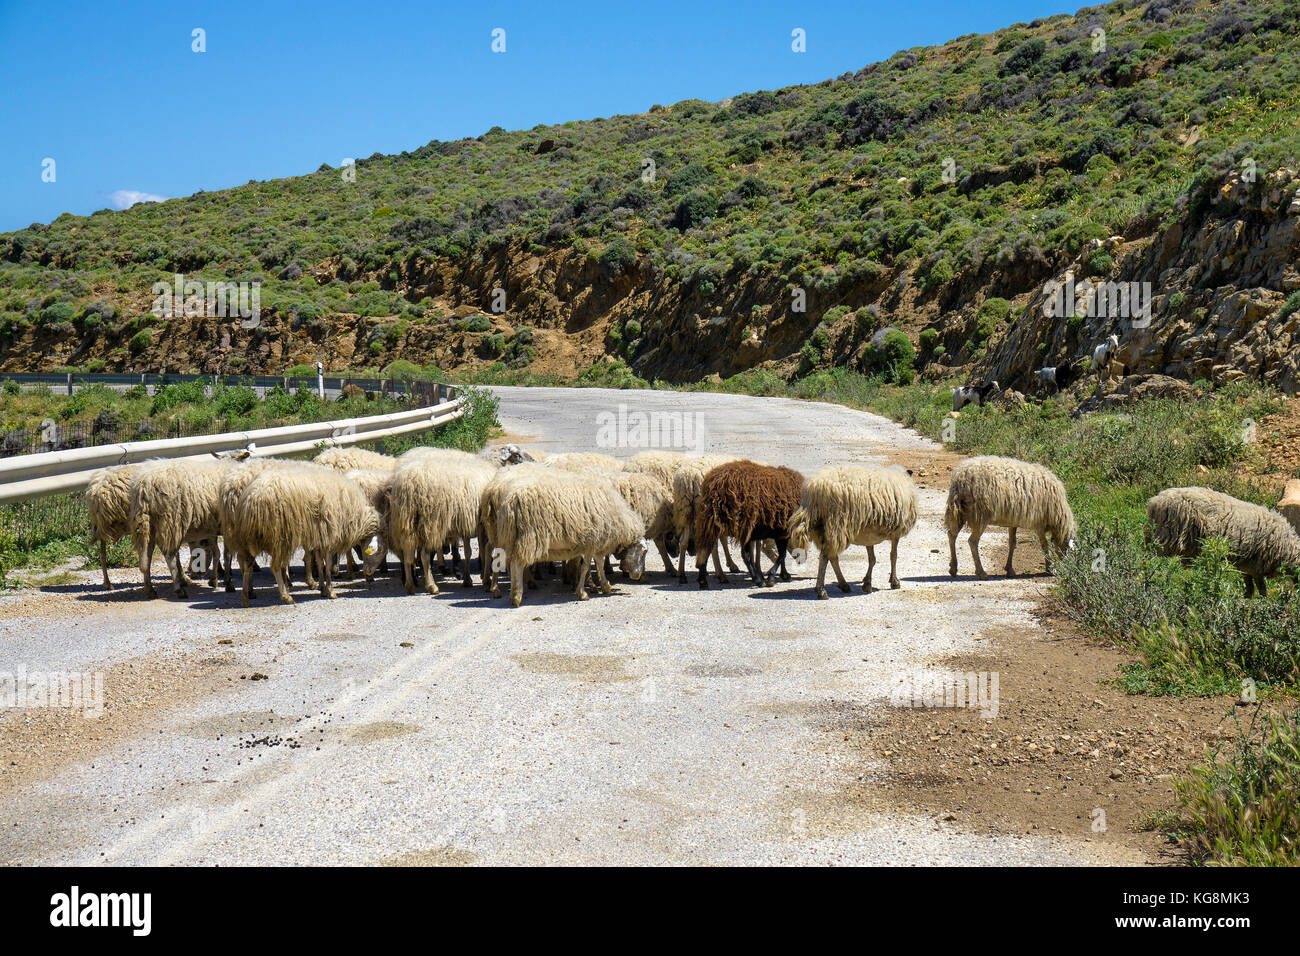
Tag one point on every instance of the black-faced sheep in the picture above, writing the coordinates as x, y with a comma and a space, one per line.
535, 514
989, 490
972, 395
749, 502
854, 504
1262, 541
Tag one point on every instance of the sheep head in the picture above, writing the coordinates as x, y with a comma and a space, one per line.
631, 560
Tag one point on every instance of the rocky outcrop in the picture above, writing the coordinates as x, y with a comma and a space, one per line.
1217, 281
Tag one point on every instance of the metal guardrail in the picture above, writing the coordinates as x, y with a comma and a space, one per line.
59, 472
69, 379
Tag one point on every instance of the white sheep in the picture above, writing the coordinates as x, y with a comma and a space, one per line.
433, 501
854, 504
174, 501
650, 495
1262, 541
108, 500
318, 510
989, 490
535, 514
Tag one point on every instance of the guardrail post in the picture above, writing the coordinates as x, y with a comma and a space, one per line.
69, 383
320, 380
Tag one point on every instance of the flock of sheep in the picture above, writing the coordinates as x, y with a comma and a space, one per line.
589, 510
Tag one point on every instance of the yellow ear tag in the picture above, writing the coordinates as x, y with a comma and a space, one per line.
370, 549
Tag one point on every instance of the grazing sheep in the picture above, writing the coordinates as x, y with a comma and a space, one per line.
989, 490
749, 502
377, 484
283, 509
108, 499
347, 458
854, 504
1288, 505
434, 500
1102, 355
650, 495
972, 395
546, 514
1262, 541
174, 501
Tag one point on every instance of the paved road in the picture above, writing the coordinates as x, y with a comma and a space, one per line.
657, 725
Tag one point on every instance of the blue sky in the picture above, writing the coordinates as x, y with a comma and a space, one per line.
114, 94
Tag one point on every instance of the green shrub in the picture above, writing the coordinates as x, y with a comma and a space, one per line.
141, 340
695, 209
236, 401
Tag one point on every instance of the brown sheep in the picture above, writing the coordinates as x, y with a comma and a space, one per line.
748, 502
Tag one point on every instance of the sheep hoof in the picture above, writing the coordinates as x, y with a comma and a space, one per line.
704, 585
582, 595
785, 576
768, 582
846, 588
516, 600
245, 602
329, 594
982, 575
822, 595
182, 593
895, 584
1011, 572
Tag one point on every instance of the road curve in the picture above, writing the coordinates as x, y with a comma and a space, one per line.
659, 725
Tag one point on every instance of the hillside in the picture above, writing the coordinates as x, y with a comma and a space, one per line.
938, 190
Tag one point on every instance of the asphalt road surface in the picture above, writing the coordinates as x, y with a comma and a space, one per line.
659, 725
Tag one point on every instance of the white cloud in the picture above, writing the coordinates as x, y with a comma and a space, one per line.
126, 198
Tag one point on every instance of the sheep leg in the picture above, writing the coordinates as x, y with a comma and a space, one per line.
683, 540
664, 555
280, 568
466, 581
228, 567
952, 550
1011, 551
103, 563
717, 560
351, 571
975, 531
327, 579
871, 566
308, 568
426, 559
245, 563
731, 565
839, 575
408, 576
603, 581
214, 566
1047, 552
894, 583
782, 550
702, 566
178, 578
146, 566
516, 582
821, 577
